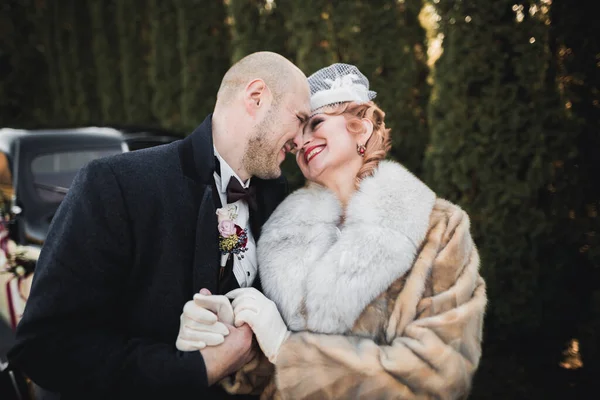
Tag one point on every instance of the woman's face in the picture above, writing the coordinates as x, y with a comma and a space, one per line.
327, 147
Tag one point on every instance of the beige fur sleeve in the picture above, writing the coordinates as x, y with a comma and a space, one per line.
252, 378
434, 358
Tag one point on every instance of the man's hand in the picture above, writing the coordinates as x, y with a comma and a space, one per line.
203, 320
219, 305
235, 352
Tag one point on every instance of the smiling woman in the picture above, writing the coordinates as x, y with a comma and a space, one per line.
366, 134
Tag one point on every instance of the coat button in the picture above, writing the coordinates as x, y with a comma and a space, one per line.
248, 272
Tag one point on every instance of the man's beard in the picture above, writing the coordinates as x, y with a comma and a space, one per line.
261, 157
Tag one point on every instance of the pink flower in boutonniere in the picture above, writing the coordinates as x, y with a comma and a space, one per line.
232, 237
227, 228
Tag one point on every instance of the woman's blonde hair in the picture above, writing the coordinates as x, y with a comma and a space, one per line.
378, 144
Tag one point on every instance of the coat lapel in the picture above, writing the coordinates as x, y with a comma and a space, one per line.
197, 162
206, 251
269, 193
256, 217
268, 196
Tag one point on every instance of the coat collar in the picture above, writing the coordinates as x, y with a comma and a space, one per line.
196, 153
322, 279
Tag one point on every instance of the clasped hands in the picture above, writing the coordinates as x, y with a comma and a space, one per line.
204, 319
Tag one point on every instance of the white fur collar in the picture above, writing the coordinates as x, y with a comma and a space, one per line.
322, 279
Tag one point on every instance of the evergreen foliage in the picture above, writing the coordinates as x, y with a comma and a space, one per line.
204, 51
23, 67
106, 60
134, 45
576, 193
246, 35
257, 25
311, 35
61, 10
165, 63
499, 138
488, 149
388, 46
83, 72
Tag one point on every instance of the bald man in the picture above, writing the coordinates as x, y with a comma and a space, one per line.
137, 237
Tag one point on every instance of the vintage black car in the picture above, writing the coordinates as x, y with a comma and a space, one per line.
37, 168
36, 171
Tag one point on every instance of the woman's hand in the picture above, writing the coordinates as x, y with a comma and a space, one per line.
251, 307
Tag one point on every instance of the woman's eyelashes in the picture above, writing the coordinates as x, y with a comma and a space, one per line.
314, 123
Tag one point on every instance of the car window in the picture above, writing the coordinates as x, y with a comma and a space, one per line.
53, 173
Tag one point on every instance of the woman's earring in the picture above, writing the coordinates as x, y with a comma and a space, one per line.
360, 149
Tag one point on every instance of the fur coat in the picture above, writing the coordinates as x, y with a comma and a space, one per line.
388, 305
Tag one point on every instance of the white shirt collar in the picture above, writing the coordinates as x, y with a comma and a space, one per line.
226, 173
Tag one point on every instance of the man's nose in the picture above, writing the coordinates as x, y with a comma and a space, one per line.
299, 140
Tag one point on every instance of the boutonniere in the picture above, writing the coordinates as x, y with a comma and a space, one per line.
232, 238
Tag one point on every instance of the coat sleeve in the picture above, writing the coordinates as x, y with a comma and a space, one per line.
435, 357
71, 338
433, 343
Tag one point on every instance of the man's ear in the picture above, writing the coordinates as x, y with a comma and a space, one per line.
255, 95
366, 135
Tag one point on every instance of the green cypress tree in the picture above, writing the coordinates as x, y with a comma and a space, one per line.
257, 25
204, 50
311, 34
25, 100
494, 133
134, 45
61, 11
387, 44
46, 28
84, 72
73, 73
575, 193
273, 34
165, 63
76, 71
106, 61
246, 37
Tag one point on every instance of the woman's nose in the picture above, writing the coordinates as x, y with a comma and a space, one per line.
302, 139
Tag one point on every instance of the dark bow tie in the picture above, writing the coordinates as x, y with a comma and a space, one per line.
235, 192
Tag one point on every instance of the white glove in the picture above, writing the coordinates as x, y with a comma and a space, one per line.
202, 322
251, 307
220, 305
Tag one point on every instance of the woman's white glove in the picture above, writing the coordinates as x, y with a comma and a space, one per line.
202, 322
252, 307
